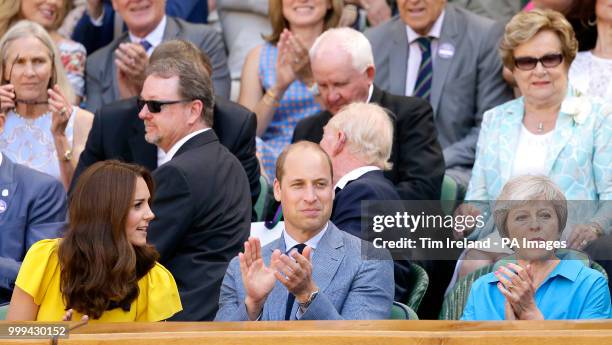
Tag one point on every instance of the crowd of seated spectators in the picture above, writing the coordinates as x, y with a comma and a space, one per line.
140, 144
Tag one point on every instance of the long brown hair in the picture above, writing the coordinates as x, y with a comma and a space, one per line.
100, 268
279, 23
10, 13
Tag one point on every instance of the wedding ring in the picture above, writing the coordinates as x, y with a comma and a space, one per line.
583, 243
296, 60
63, 111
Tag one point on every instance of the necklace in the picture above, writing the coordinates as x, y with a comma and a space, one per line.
540, 127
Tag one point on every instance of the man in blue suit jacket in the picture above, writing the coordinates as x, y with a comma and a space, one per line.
313, 271
32, 208
358, 140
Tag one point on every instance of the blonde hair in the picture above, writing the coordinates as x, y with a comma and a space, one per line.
26, 28
369, 132
10, 13
524, 189
525, 25
279, 23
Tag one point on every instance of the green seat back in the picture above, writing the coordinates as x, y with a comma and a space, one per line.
449, 194
418, 282
3, 311
400, 311
261, 199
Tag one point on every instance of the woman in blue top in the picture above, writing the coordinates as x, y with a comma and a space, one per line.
276, 82
530, 212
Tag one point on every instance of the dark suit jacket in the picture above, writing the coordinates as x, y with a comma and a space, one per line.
118, 133
202, 218
346, 215
32, 208
101, 72
418, 166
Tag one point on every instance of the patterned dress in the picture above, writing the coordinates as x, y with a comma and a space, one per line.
30, 142
592, 75
296, 104
73, 55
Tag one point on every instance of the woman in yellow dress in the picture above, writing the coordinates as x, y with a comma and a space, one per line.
103, 267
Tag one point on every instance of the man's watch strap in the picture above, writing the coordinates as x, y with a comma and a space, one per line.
311, 298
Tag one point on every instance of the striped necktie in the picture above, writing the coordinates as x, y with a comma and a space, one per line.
422, 87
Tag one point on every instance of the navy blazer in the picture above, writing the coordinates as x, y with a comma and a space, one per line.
350, 287
372, 186
32, 208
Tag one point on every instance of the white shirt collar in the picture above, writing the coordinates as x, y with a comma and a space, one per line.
354, 174
155, 37
370, 91
434, 32
313, 242
174, 149
0, 158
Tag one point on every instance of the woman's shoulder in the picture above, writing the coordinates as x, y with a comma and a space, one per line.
160, 276
44, 248
69, 46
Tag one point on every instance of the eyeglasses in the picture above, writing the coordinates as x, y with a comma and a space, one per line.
156, 106
527, 63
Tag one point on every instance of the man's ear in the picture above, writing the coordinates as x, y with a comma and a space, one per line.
371, 73
195, 112
340, 142
277, 190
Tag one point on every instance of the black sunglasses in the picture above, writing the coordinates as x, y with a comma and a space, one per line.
156, 106
527, 63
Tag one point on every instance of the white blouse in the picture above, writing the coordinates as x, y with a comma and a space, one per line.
531, 151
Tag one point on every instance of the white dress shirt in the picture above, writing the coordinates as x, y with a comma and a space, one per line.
414, 54
155, 37
353, 175
163, 157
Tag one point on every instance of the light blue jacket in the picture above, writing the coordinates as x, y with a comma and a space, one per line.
350, 286
579, 162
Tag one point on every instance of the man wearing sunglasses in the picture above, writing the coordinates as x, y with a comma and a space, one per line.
118, 133
201, 203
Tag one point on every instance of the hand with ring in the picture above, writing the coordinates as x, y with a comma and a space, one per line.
516, 285
61, 109
582, 235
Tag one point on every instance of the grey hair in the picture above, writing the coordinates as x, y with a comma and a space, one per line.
369, 132
26, 28
523, 189
351, 41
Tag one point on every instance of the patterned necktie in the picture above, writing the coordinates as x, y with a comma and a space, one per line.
291, 297
422, 87
146, 45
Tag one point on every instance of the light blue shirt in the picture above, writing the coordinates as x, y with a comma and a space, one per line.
571, 291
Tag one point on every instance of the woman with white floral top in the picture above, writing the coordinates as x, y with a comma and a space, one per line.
591, 71
552, 130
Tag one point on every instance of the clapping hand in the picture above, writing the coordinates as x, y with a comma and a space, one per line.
516, 284
7, 98
298, 56
131, 60
258, 279
295, 273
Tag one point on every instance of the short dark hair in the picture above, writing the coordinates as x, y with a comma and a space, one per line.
192, 70
280, 161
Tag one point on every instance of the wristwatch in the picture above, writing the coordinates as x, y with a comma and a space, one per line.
304, 306
68, 155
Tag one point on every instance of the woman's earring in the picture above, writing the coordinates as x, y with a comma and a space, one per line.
592, 22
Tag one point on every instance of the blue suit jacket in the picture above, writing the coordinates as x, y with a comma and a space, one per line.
34, 207
371, 186
350, 287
